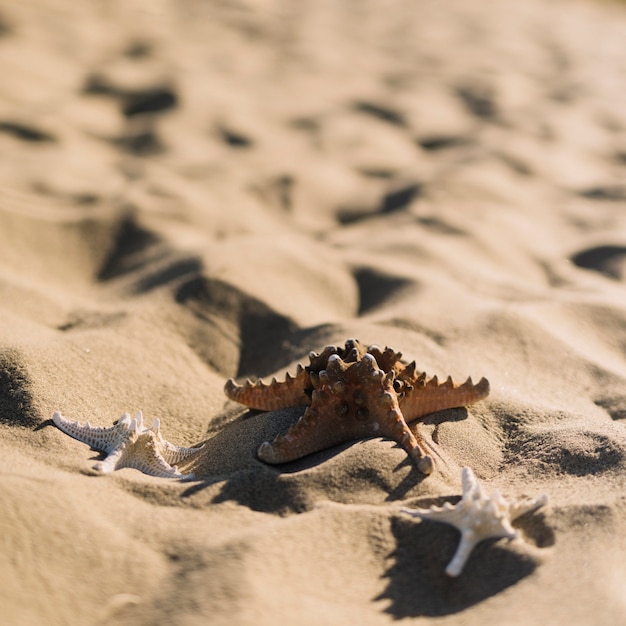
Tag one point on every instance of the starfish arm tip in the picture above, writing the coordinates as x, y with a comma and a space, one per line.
426, 465
463, 551
102, 467
267, 453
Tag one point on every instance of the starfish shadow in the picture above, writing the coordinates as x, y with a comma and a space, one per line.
418, 585
43, 425
412, 479
408, 483
457, 414
290, 487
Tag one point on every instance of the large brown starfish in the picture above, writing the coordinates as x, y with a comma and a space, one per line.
352, 393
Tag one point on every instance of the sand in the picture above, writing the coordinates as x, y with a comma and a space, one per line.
192, 191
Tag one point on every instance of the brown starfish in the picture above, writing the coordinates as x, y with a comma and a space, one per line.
354, 393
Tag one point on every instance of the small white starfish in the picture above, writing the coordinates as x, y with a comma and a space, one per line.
478, 517
129, 444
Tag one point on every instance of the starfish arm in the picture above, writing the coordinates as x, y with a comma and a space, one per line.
110, 463
455, 515
387, 359
148, 452
102, 439
466, 545
151, 464
393, 426
311, 433
520, 507
424, 397
175, 454
276, 395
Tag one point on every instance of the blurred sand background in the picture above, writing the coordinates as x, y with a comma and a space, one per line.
193, 190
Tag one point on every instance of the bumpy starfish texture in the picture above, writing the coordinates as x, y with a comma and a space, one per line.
129, 444
478, 517
353, 393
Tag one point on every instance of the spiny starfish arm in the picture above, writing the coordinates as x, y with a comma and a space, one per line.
174, 455
145, 457
102, 439
276, 395
448, 514
309, 434
394, 427
430, 396
387, 359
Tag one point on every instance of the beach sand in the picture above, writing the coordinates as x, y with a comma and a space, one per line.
192, 191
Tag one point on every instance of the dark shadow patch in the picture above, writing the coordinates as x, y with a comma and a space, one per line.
16, 401
615, 406
261, 331
611, 193
137, 249
5, 27
265, 490
418, 585
437, 225
150, 100
620, 157
408, 483
376, 172
154, 100
478, 100
381, 112
375, 288
398, 198
457, 414
536, 528
233, 138
86, 198
608, 260
308, 124
25, 132
171, 272
435, 143
129, 252
138, 50
350, 215
98, 85
577, 517
296, 487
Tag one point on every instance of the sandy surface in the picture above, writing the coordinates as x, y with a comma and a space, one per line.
192, 190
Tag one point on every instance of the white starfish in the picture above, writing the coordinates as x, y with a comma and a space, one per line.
478, 517
129, 444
